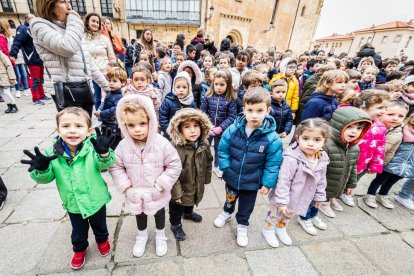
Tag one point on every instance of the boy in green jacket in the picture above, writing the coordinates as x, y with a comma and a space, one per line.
75, 161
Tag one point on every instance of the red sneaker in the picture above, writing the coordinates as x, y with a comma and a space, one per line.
104, 248
78, 259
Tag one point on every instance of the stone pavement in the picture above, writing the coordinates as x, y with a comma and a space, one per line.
35, 231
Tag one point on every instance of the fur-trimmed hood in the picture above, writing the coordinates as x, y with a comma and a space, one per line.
183, 115
194, 66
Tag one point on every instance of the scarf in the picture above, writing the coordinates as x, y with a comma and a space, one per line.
408, 134
408, 98
187, 100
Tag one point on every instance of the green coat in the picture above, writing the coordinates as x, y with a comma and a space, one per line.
79, 181
308, 89
341, 173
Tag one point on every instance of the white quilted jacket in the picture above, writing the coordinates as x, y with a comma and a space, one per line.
58, 45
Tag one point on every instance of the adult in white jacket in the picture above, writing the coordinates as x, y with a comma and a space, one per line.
57, 35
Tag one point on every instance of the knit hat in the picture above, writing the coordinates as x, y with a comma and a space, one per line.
189, 98
409, 79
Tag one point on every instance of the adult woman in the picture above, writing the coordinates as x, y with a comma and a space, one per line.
57, 35
145, 42
117, 44
99, 47
225, 49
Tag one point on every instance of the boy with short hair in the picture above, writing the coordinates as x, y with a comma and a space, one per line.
281, 111
250, 154
388, 66
354, 79
224, 61
250, 79
191, 52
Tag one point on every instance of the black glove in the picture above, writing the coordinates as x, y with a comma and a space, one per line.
39, 161
103, 140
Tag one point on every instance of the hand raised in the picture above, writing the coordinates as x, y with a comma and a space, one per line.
39, 161
103, 140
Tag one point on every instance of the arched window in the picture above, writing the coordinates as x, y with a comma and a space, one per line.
12, 24
303, 11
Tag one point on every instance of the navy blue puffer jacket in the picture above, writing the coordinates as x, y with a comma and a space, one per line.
282, 114
221, 111
108, 113
320, 105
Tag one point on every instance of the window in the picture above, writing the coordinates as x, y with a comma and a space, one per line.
408, 41
6, 5
78, 6
384, 39
106, 8
12, 24
361, 41
397, 38
30, 4
340, 44
303, 11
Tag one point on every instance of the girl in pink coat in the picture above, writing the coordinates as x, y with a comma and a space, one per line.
147, 166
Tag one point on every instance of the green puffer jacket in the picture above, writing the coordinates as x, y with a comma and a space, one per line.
343, 156
79, 181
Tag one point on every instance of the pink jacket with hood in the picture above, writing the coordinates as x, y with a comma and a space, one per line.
145, 177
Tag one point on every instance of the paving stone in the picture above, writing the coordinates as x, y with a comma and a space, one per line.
8, 158
162, 267
46, 123
398, 218
126, 241
22, 246
39, 205
24, 123
13, 199
4, 141
20, 143
287, 260
355, 222
83, 272
18, 178
46, 143
339, 257
408, 237
59, 252
209, 200
216, 265
114, 208
389, 253
38, 132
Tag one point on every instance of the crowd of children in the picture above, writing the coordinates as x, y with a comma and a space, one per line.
159, 130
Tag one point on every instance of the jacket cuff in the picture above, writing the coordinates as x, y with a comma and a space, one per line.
158, 187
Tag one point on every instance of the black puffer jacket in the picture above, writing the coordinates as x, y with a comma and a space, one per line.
368, 52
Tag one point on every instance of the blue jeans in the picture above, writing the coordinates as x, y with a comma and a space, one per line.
407, 190
312, 212
128, 71
21, 75
98, 95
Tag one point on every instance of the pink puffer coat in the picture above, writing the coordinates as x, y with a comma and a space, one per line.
372, 149
145, 177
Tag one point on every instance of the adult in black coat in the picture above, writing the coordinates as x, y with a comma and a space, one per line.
367, 50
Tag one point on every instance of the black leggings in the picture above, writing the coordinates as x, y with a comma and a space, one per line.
177, 211
159, 220
87, 108
386, 180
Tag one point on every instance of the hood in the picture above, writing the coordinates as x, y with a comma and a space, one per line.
269, 123
149, 108
194, 66
186, 114
363, 60
295, 152
343, 117
283, 65
183, 75
366, 52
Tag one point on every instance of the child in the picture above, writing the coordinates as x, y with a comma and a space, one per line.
323, 103
388, 67
250, 79
242, 61
408, 93
147, 56
196, 78
221, 107
399, 167
141, 85
300, 188
364, 62
75, 161
189, 130
208, 62
191, 52
287, 72
178, 59
164, 78
263, 70
394, 115
349, 125
208, 80
7, 79
368, 77
347, 98
281, 111
147, 166
354, 79
180, 97
396, 88
117, 78
250, 154
224, 61
299, 77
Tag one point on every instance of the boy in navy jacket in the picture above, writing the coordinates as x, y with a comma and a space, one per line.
281, 111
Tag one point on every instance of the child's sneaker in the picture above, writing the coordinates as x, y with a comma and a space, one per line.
140, 244
104, 248
161, 247
318, 222
178, 232
270, 237
370, 201
18, 94
406, 202
384, 201
307, 225
27, 92
242, 239
335, 205
78, 259
348, 200
283, 236
222, 219
327, 210
193, 216
217, 171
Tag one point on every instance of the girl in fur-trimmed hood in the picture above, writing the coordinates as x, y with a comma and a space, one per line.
189, 130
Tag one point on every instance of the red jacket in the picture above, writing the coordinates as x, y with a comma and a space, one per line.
4, 47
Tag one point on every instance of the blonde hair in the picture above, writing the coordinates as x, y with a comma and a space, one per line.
45, 9
75, 111
132, 107
279, 82
348, 97
5, 28
330, 77
163, 61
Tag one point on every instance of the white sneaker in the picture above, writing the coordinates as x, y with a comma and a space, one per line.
348, 200
283, 236
335, 205
370, 201
406, 202
327, 210
217, 171
160, 243
139, 246
384, 201
242, 239
318, 222
270, 237
18, 94
222, 219
307, 225
27, 92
